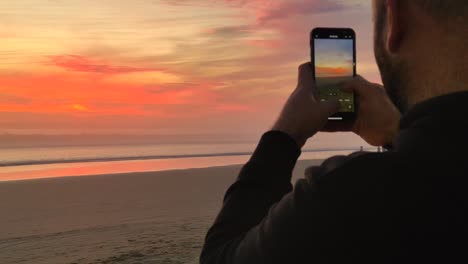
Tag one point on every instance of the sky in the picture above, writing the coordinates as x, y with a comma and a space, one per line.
160, 66
333, 57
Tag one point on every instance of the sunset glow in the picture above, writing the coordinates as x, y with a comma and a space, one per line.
79, 107
164, 65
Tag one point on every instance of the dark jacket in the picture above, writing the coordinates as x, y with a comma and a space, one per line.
408, 205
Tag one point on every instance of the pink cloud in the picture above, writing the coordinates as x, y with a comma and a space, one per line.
228, 31
265, 43
84, 64
286, 9
270, 10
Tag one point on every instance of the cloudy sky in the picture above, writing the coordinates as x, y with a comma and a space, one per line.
165, 66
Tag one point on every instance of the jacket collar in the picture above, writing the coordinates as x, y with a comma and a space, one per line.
440, 122
445, 106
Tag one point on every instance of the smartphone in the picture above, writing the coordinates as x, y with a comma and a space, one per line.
333, 56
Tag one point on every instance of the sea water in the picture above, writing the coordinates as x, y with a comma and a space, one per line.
18, 163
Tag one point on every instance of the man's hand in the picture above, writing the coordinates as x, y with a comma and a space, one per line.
377, 121
303, 116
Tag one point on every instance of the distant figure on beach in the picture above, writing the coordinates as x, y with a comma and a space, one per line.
406, 205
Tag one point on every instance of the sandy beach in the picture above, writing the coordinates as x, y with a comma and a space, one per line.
151, 217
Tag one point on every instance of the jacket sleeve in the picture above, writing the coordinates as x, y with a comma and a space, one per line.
262, 182
263, 220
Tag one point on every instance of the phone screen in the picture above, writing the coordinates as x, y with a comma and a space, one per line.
334, 64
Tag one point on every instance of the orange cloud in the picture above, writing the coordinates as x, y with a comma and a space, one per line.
78, 94
84, 64
234, 108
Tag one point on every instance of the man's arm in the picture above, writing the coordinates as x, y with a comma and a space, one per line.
263, 181
262, 220
266, 178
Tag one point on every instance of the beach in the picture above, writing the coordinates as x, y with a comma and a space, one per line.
148, 217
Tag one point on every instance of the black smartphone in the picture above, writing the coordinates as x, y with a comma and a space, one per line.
333, 57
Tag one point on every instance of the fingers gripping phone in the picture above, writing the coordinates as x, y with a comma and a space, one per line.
333, 56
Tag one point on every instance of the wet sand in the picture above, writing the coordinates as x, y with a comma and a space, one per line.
151, 217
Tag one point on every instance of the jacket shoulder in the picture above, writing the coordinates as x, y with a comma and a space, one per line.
355, 165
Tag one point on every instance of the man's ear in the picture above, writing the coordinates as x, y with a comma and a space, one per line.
394, 26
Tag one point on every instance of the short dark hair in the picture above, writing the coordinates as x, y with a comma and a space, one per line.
447, 10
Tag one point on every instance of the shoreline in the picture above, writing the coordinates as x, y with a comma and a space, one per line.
125, 166
140, 173
124, 174
111, 159
148, 157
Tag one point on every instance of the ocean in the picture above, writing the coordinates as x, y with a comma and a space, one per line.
18, 163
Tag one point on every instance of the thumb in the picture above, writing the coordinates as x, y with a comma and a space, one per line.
330, 107
357, 85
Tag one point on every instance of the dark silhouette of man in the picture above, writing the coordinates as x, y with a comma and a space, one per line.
406, 205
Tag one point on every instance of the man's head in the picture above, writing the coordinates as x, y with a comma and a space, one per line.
420, 48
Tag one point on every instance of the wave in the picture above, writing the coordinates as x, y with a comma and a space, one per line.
148, 157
